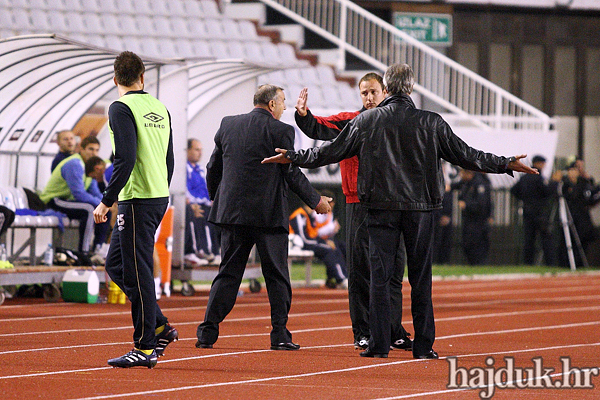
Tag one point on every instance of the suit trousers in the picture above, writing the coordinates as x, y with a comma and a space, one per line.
236, 243
386, 229
130, 264
359, 276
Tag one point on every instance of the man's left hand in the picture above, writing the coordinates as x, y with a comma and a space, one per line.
279, 158
518, 166
100, 213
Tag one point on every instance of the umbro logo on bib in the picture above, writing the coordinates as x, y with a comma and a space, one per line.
154, 117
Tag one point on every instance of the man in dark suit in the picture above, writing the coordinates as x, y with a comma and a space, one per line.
250, 205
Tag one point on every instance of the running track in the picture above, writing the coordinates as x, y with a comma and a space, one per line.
59, 350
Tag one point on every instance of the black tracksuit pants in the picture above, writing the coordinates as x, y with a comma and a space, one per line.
130, 264
386, 229
359, 276
236, 243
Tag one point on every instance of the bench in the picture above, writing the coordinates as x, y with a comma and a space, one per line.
295, 253
16, 199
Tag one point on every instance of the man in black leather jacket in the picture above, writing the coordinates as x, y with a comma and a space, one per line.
400, 181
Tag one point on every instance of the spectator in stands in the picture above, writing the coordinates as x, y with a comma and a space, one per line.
399, 181
201, 237
372, 92
475, 202
304, 225
251, 208
535, 193
581, 194
73, 190
66, 146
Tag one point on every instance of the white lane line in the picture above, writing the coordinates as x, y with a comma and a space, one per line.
454, 305
165, 310
314, 347
318, 373
446, 319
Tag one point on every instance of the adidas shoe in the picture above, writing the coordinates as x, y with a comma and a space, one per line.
362, 343
166, 337
134, 358
402, 344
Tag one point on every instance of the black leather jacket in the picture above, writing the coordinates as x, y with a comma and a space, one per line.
400, 149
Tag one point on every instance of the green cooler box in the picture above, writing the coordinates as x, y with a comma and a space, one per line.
81, 286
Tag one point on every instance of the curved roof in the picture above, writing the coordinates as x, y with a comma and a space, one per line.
48, 83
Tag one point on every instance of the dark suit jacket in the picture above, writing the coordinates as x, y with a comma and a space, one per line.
244, 191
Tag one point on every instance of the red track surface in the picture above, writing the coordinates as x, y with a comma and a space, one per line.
59, 350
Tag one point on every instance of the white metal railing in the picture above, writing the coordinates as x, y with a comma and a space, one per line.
438, 78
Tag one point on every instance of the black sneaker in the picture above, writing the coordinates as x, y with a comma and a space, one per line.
362, 343
402, 344
166, 337
134, 358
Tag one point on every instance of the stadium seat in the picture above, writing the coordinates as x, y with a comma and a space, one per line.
90, 6
167, 48
309, 76
230, 28
21, 20
178, 26
215, 28
293, 75
184, 48
326, 74
159, 7
58, 5
74, 21
197, 28
92, 23
39, 19
193, 9
115, 42
128, 25
235, 49
218, 49
176, 8
247, 29
209, 8
37, 5
110, 23
73, 5
122, 7
201, 48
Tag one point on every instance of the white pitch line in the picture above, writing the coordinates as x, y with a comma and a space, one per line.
318, 373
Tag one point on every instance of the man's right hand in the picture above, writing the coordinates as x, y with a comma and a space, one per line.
323, 207
301, 103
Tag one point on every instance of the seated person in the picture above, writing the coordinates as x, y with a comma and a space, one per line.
66, 146
73, 190
303, 225
328, 226
201, 237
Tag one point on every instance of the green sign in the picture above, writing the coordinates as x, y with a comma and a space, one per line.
435, 29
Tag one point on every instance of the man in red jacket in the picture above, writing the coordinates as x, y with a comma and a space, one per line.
372, 93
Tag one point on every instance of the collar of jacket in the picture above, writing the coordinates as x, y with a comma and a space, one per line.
262, 111
398, 99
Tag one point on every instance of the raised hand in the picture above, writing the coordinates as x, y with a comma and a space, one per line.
301, 103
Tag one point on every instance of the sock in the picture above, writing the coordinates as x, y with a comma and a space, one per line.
146, 352
158, 330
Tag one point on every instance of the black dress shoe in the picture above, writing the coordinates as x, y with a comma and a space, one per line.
285, 346
202, 345
369, 353
432, 355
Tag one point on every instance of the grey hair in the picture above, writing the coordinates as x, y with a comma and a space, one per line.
399, 79
265, 93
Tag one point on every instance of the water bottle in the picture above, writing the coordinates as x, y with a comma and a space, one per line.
3, 255
49, 255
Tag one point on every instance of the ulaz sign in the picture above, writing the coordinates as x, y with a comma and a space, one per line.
433, 29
